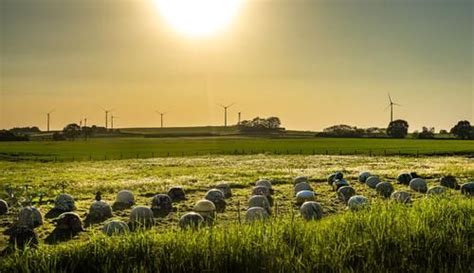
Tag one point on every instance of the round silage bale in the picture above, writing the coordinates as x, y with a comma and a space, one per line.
161, 205
191, 220
372, 181
217, 197
226, 190
115, 227
177, 194
256, 214
3, 207
436, 190
69, 222
64, 202
363, 176
384, 189
311, 210
404, 178
357, 202
98, 212
260, 201
22, 237
206, 209
124, 200
339, 183
141, 217
419, 185
401, 197
304, 196
303, 186
345, 193
300, 179
449, 181
468, 189
30, 217
265, 183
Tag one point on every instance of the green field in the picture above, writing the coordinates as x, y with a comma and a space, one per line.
117, 148
430, 235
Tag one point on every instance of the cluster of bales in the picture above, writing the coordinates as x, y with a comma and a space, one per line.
68, 223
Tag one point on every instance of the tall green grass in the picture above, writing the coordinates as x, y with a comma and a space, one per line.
432, 235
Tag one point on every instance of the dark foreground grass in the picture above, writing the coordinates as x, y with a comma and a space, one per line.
432, 235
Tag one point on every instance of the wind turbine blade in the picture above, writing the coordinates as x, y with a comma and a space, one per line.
230, 105
386, 108
221, 105
390, 98
397, 104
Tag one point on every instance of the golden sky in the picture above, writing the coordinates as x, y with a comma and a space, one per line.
311, 63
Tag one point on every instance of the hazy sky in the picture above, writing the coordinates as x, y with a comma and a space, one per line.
312, 63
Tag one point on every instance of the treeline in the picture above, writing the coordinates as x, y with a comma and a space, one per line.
398, 129
260, 125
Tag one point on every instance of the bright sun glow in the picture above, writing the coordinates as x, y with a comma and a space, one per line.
198, 17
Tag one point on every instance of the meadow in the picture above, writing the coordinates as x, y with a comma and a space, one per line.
139, 147
430, 235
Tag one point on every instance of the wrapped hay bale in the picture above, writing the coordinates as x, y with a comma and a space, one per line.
335, 176
177, 194
98, 212
404, 178
141, 217
449, 181
468, 189
261, 190
64, 202
161, 205
303, 186
419, 185
304, 196
260, 201
372, 181
363, 176
265, 183
226, 190
206, 209
345, 193
70, 222
21, 237
436, 190
124, 200
217, 197
115, 227
401, 197
300, 179
256, 214
3, 207
191, 220
357, 202
384, 189
311, 210
30, 217
339, 183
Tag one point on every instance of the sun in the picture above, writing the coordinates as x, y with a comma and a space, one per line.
198, 18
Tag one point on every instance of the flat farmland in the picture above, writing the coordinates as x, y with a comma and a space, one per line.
138, 147
435, 220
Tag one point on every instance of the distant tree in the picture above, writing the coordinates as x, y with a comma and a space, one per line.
443, 132
72, 131
260, 125
462, 130
273, 122
343, 130
398, 128
87, 132
25, 130
427, 133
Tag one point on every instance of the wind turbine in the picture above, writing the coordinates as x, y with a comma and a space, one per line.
225, 112
391, 104
107, 117
239, 116
161, 116
112, 121
48, 119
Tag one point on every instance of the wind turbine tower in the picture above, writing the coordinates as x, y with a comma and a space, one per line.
162, 114
391, 104
112, 121
225, 112
107, 117
48, 119
240, 115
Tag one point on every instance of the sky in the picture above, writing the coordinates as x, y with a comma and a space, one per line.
313, 63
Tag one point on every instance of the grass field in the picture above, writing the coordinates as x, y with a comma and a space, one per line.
428, 236
117, 148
